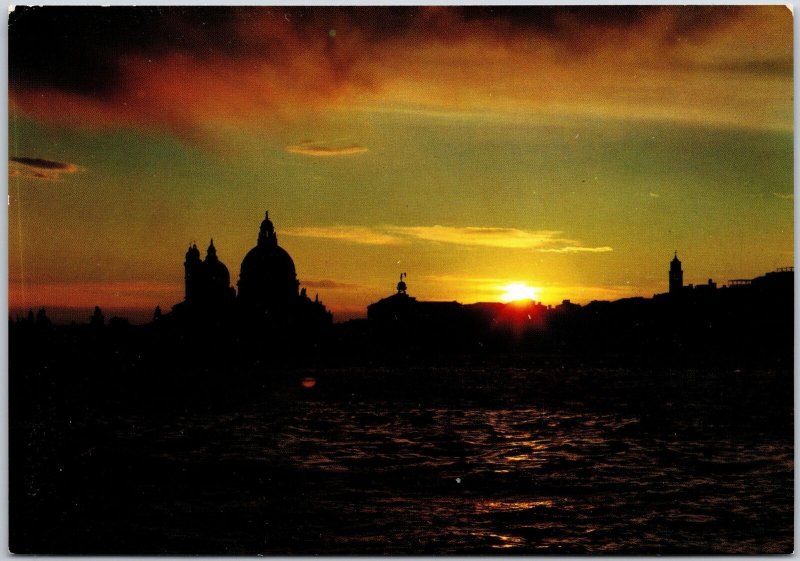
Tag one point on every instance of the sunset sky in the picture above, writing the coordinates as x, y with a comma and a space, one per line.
571, 150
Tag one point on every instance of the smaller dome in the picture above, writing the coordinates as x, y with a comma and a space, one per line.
217, 273
215, 270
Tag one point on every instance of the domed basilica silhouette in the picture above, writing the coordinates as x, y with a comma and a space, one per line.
269, 292
268, 279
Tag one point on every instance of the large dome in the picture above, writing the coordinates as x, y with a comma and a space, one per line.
268, 278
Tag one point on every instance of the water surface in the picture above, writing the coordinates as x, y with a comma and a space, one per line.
433, 461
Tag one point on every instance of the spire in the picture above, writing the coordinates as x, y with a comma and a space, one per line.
212, 251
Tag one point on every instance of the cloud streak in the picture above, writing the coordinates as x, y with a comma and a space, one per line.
576, 249
323, 150
478, 236
354, 234
39, 168
329, 284
546, 241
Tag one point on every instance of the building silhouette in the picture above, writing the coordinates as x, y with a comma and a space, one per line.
675, 276
401, 308
269, 294
402, 322
395, 308
268, 279
208, 282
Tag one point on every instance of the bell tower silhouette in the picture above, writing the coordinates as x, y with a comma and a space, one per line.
675, 275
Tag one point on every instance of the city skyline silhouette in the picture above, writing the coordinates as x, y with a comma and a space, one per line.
208, 285
271, 314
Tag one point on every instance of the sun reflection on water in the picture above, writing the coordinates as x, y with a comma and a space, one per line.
506, 542
493, 506
520, 458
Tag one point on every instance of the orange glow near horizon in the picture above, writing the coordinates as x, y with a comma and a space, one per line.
143, 295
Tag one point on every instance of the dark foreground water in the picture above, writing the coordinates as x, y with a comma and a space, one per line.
425, 461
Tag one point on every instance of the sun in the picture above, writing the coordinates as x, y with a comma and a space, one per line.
516, 291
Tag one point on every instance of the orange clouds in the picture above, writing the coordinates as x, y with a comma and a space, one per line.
723, 73
728, 66
275, 71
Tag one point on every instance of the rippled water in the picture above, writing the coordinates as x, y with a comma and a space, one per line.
453, 461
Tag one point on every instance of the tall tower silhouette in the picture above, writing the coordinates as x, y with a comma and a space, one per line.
675, 275
192, 267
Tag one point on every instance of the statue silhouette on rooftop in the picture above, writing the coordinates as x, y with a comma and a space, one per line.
401, 286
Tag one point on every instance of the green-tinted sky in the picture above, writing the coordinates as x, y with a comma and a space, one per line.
569, 149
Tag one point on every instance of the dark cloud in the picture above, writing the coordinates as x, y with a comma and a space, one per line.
565, 22
44, 164
79, 48
39, 168
780, 66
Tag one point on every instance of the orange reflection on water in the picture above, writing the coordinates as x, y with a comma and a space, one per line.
308, 382
520, 458
507, 542
489, 507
